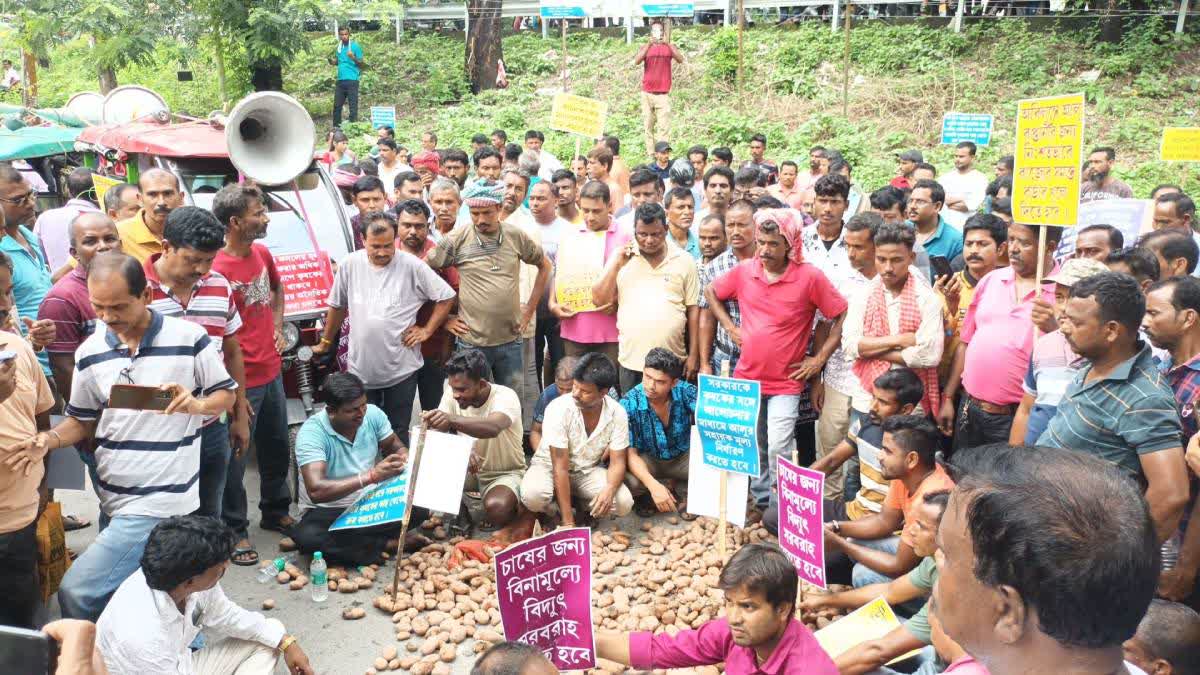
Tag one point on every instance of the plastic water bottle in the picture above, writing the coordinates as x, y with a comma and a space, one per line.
320, 578
268, 572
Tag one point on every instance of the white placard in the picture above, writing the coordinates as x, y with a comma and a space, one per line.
443, 470
704, 488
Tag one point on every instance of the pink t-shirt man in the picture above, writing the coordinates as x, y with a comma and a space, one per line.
797, 652
591, 327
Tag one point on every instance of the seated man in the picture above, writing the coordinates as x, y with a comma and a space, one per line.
897, 392
562, 385
758, 634
660, 410
906, 458
156, 614
578, 432
338, 451
916, 586
504, 658
491, 413
1167, 640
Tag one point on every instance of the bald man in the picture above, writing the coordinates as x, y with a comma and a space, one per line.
141, 235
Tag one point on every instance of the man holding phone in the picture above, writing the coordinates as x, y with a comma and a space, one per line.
147, 462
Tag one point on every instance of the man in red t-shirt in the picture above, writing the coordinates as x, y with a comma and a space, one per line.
778, 295
258, 294
656, 56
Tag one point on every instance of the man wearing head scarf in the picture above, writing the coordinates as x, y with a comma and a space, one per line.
428, 165
778, 295
492, 314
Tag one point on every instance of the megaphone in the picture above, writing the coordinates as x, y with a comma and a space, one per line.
131, 102
270, 137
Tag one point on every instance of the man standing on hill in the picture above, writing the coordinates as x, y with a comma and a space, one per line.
1099, 182
348, 60
657, 56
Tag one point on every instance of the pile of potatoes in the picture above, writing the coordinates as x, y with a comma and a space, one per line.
291, 576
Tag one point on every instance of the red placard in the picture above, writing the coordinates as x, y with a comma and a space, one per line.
306, 280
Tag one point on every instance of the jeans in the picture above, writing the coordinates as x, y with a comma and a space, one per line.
343, 91
505, 362
431, 383
926, 662
776, 436
102, 567
19, 577
548, 331
359, 546
89, 460
396, 402
865, 576
975, 427
628, 379
214, 467
531, 386
269, 431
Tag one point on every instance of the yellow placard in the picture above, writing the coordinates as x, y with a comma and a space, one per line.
578, 266
102, 185
578, 115
1181, 144
872, 621
1049, 160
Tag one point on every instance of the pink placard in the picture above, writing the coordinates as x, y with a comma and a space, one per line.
544, 588
800, 520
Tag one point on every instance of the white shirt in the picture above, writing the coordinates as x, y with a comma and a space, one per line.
838, 374
388, 176
547, 165
11, 78
563, 427
142, 631
970, 186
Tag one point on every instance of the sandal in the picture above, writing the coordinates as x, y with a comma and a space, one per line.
683, 512
282, 525
72, 523
241, 551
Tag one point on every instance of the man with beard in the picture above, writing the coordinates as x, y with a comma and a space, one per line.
718, 191
965, 186
258, 294
567, 185
1099, 183
516, 187
1119, 406
718, 343
543, 205
818, 165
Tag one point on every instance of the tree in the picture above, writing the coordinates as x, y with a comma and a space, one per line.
484, 50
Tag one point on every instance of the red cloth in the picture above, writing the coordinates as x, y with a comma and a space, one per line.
777, 319
252, 279
796, 652
656, 76
901, 182
791, 226
875, 324
439, 345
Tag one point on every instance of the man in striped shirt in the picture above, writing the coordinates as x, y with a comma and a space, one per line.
182, 285
147, 461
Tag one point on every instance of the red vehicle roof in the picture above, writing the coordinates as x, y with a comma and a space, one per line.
187, 139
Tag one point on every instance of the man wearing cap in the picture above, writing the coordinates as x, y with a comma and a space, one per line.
662, 160
907, 162
1053, 363
492, 315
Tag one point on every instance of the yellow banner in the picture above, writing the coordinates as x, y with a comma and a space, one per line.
1049, 160
1181, 144
102, 185
869, 622
578, 115
579, 265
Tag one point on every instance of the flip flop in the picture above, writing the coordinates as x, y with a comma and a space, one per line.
244, 550
282, 525
72, 523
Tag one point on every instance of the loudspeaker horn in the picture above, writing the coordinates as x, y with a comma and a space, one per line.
87, 106
131, 102
270, 137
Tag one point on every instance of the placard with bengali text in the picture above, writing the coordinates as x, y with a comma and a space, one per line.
727, 417
1049, 160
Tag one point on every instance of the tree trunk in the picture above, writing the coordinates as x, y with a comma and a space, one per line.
266, 76
1111, 29
483, 43
108, 79
222, 87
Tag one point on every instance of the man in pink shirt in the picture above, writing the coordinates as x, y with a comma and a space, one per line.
758, 635
778, 295
996, 341
788, 190
593, 243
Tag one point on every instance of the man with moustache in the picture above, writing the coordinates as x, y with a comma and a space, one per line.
1099, 182
142, 235
680, 213
721, 343
718, 191
712, 239
985, 247
933, 232
567, 185
445, 201
818, 165
543, 205
645, 187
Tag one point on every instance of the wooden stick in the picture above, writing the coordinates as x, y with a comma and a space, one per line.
722, 508
741, 10
408, 506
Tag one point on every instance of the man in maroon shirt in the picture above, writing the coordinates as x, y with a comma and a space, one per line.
258, 294
656, 57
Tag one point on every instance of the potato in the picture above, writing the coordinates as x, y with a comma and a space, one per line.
407, 662
394, 664
481, 647
353, 613
402, 635
345, 586
381, 663
298, 583
371, 671
333, 586
420, 626
430, 646
291, 569
488, 635
447, 653
389, 652
268, 604
458, 634
421, 668
283, 577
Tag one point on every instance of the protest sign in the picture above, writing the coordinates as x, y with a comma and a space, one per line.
1049, 159
1181, 144
671, 8
801, 528
544, 589
1133, 217
306, 279
379, 504
102, 185
578, 115
383, 116
959, 127
869, 622
578, 266
704, 487
727, 416
565, 9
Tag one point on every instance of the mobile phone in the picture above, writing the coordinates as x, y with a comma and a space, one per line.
6, 356
27, 651
940, 265
138, 397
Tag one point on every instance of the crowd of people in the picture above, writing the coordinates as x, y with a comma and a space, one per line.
1026, 422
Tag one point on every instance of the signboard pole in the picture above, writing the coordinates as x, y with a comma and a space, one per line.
723, 496
564, 53
741, 10
846, 64
1041, 264
408, 506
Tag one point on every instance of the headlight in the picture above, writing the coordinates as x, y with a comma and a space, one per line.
291, 336
304, 354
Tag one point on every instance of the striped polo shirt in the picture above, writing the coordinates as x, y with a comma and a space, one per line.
147, 463
1129, 413
866, 438
211, 306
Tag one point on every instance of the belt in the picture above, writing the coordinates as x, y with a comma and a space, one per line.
992, 408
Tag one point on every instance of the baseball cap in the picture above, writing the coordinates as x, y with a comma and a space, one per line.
662, 146
1075, 270
911, 156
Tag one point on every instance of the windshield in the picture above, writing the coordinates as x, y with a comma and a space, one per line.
286, 205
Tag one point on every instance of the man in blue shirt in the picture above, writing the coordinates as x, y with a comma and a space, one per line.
660, 410
339, 454
924, 212
31, 275
349, 66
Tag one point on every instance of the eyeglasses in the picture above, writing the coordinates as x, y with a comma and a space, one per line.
20, 199
125, 376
